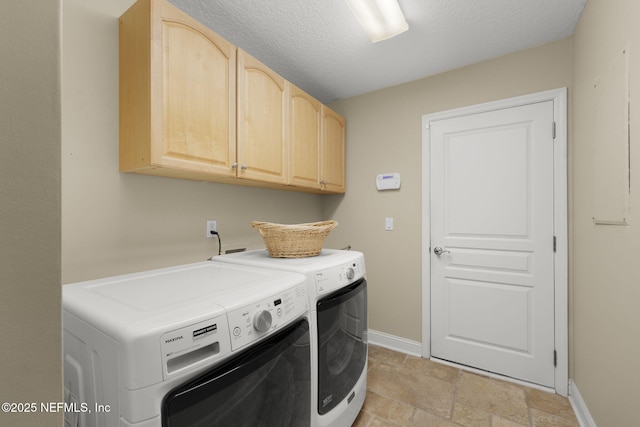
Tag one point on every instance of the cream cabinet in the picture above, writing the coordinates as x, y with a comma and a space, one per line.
177, 95
332, 152
194, 106
263, 116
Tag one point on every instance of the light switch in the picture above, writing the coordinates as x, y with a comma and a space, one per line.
388, 224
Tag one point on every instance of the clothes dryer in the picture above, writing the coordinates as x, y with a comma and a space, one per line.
337, 290
196, 345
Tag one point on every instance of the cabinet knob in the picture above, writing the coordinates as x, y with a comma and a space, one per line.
234, 165
243, 167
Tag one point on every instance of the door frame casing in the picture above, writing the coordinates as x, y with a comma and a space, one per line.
560, 219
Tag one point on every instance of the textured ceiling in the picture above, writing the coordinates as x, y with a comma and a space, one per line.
319, 46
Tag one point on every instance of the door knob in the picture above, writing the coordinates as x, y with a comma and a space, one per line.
439, 251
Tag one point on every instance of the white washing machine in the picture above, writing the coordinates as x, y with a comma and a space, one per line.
196, 345
338, 302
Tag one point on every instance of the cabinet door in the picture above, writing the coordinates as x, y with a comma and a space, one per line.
332, 152
304, 143
262, 122
177, 94
194, 88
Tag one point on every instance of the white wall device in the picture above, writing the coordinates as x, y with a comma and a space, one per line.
388, 181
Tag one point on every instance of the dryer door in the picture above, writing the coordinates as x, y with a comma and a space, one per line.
267, 385
342, 336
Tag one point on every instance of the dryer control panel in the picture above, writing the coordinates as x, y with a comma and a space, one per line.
331, 279
253, 321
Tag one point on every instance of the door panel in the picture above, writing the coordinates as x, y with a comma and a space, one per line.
506, 326
492, 289
477, 209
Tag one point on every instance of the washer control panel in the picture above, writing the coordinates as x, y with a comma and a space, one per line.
330, 279
191, 345
253, 321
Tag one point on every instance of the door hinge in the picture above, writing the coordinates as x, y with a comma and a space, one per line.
554, 244
555, 358
553, 130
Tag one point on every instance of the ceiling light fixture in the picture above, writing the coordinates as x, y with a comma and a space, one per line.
381, 19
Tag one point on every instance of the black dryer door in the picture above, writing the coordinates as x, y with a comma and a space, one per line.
342, 346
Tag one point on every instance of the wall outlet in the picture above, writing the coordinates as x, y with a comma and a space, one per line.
211, 226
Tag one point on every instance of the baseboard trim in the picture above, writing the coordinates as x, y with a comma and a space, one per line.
393, 342
579, 406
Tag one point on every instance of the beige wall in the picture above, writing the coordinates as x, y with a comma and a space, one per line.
605, 267
384, 135
30, 209
115, 223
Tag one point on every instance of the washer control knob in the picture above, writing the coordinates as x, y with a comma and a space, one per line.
351, 273
262, 321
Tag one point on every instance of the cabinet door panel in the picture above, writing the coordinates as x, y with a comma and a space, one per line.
304, 154
333, 136
198, 97
262, 121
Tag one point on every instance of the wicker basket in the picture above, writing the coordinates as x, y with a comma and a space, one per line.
295, 240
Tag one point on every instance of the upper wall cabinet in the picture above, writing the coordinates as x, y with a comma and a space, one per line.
194, 106
177, 94
263, 98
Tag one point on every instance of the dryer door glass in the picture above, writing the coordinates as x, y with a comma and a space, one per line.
267, 385
342, 352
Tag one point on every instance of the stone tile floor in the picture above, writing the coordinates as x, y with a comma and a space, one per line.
404, 390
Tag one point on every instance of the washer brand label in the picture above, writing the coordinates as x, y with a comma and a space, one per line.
199, 333
170, 340
327, 400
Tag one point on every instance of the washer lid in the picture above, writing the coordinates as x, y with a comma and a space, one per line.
169, 297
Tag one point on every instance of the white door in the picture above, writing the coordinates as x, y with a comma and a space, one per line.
492, 283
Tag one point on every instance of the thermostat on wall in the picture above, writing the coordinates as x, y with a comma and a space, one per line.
388, 181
